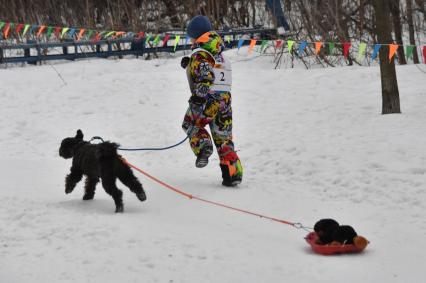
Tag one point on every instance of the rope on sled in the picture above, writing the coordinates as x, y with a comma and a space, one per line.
296, 225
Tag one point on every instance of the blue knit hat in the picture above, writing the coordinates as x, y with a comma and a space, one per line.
198, 26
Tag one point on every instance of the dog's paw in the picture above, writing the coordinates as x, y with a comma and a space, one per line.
119, 208
88, 196
68, 190
141, 196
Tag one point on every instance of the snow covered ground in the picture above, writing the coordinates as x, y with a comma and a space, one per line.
313, 144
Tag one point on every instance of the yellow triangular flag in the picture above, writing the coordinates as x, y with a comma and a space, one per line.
290, 44
64, 30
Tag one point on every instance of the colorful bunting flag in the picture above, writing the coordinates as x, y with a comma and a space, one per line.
90, 33
2, 24
71, 32
375, 51
41, 30
290, 44
424, 53
228, 39
64, 31
80, 34
331, 46
302, 47
176, 42
240, 43
140, 35
19, 27
166, 39
156, 40
252, 44
409, 50
278, 43
346, 47
49, 31
361, 50
108, 34
25, 30
392, 50
148, 38
58, 32
263, 45
318, 46
6, 30
187, 39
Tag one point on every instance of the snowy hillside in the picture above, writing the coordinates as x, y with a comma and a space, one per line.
313, 145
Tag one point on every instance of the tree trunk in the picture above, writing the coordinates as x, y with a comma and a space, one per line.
396, 17
411, 30
390, 93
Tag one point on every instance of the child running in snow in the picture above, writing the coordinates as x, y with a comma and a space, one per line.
209, 76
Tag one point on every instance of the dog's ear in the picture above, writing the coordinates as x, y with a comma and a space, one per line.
79, 135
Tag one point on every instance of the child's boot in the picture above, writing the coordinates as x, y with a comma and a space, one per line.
203, 157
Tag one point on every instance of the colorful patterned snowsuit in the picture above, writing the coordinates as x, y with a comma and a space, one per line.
210, 104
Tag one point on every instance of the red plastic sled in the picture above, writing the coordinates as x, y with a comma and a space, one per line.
312, 239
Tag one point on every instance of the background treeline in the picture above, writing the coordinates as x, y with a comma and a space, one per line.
326, 20
344, 19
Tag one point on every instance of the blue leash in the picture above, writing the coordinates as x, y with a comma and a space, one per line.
154, 148
143, 149
150, 148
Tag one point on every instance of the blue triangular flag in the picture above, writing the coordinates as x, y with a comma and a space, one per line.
71, 32
375, 51
186, 39
302, 47
33, 27
240, 43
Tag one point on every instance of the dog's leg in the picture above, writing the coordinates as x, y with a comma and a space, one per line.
108, 182
72, 179
125, 175
90, 187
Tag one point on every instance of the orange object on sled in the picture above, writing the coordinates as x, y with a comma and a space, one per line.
312, 239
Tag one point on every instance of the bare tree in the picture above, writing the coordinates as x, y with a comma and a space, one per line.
390, 92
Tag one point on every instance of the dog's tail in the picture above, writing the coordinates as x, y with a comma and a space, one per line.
107, 150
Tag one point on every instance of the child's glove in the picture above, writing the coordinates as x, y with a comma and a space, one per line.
184, 62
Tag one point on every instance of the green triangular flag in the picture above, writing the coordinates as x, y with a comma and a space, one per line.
49, 31
228, 39
2, 24
263, 45
156, 40
176, 42
25, 29
90, 33
361, 50
109, 33
148, 38
409, 51
331, 46
290, 44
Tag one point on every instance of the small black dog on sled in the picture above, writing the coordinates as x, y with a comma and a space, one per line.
98, 161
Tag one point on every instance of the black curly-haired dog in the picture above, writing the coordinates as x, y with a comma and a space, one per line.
98, 161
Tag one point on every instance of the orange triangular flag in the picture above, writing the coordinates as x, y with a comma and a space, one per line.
80, 34
252, 44
318, 46
40, 30
392, 50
